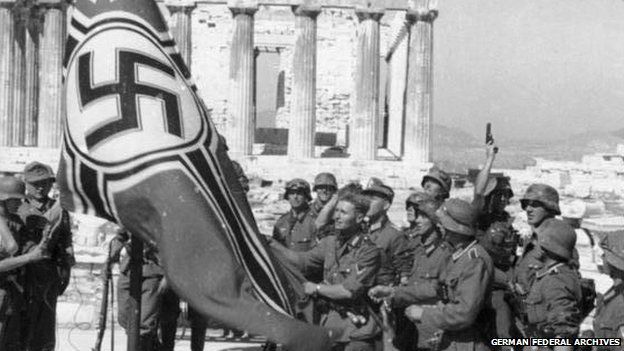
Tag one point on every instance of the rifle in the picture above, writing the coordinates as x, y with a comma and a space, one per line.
107, 285
488, 136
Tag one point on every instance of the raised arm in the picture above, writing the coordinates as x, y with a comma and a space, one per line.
484, 174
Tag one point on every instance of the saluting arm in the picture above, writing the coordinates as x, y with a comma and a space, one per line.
484, 174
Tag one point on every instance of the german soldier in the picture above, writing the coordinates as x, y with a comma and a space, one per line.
431, 256
296, 229
552, 303
45, 280
467, 281
325, 186
437, 183
349, 261
609, 317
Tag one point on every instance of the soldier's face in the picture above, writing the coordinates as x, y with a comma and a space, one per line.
39, 189
411, 214
536, 213
378, 205
346, 217
423, 224
325, 192
433, 188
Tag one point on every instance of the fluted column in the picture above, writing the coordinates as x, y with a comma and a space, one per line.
51, 50
240, 123
303, 109
7, 28
31, 73
180, 27
419, 102
362, 139
398, 82
18, 118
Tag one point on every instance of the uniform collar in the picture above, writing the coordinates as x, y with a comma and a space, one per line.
460, 252
553, 268
301, 215
431, 243
317, 205
349, 245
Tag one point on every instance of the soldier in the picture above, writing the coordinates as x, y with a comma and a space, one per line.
12, 261
437, 183
431, 255
395, 251
349, 261
552, 303
296, 229
467, 281
46, 280
609, 317
325, 186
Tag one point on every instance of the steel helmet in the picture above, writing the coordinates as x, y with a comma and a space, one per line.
557, 237
424, 203
298, 184
440, 177
545, 194
457, 216
325, 178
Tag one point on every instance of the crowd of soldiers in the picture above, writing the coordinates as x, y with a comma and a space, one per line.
456, 278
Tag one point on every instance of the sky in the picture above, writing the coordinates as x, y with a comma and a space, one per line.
534, 68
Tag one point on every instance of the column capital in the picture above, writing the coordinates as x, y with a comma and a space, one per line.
181, 6
238, 7
7, 4
311, 11
365, 13
421, 15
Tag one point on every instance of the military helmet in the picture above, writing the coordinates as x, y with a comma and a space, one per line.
325, 178
613, 248
458, 216
11, 188
557, 237
298, 184
424, 203
500, 240
543, 193
501, 184
440, 177
36, 171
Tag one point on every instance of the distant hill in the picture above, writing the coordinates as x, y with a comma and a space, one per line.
457, 151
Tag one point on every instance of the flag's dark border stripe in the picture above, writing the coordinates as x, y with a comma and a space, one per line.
79, 26
74, 162
88, 176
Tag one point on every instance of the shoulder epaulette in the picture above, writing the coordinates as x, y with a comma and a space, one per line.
473, 253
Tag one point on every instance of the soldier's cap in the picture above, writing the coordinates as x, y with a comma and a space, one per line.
36, 171
457, 216
557, 237
11, 188
381, 190
499, 184
613, 247
543, 193
298, 184
574, 210
325, 178
440, 177
425, 203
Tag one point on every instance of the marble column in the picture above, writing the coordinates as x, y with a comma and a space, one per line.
180, 28
19, 115
303, 109
7, 28
240, 122
419, 97
31, 93
365, 112
51, 50
398, 82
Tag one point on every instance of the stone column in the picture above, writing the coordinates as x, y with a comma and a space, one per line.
303, 108
7, 28
419, 97
240, 123
51, 50
398, 82
180, 28
18, 118
362, 139
31, 73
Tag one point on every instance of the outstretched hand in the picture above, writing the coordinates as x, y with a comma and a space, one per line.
380, 292
491, 149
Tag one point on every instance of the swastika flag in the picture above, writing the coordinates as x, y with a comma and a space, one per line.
140, 149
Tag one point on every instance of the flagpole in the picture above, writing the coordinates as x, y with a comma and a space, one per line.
134, 303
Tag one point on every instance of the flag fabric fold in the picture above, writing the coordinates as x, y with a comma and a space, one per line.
140, 149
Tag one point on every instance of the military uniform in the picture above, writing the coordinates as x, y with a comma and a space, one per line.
11, 293
396, 256
468, 278
552, 303
609, 317
354, 265
296, 231
45, 280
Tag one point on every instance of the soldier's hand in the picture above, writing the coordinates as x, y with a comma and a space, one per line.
414, 313
491, 149
309, 288
380, 292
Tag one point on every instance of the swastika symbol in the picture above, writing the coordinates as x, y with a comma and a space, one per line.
127, 88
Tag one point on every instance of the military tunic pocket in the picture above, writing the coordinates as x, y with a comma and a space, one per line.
535, 309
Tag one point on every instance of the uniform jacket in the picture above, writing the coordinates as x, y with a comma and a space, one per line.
396, 258
468, 278
552, 303
609, 318
430, 261
296, 231
354, 265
